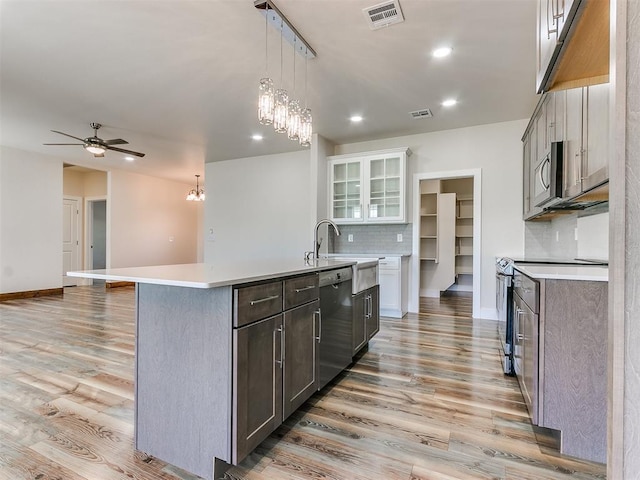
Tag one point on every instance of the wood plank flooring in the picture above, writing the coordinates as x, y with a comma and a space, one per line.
427, 401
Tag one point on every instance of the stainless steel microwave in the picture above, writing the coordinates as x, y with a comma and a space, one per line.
547, 178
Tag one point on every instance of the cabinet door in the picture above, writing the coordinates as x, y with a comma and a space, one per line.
346, 191
547, 36
300, 355
544, 121
359, 321
386, 189
572, 143
390, 289
373, 313
257, 384
595, 161
525, 354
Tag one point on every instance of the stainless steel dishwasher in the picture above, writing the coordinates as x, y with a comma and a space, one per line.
335, 330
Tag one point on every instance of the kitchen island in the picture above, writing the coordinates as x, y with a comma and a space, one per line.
224, 353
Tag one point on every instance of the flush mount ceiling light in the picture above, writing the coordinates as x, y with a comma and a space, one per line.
441, 52
197, 194
450, 102
256, 137
275, 106
356, 118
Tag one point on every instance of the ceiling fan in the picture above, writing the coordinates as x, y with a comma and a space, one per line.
96, 145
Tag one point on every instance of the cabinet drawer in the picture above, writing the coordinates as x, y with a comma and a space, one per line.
389, 263
300, 290
256, 302
528, 290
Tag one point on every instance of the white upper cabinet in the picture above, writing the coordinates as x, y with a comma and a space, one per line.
368, 187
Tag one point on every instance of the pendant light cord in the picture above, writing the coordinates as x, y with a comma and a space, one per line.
266, 39
281, 30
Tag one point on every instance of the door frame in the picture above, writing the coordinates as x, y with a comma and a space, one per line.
79, 237
414, 290
88, 232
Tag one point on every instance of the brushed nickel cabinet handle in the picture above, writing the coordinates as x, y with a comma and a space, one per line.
265, 299
304, 289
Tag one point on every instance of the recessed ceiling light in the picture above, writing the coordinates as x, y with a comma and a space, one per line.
129, 159
356, 118
441, 52
257, 136
449, 102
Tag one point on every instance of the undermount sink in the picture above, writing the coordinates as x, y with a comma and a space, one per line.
365, 271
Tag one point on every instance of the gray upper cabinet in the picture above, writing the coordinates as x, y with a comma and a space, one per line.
596, 155
553, 18
586, 163
572, 142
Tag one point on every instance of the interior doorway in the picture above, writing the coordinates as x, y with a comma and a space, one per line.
96, 235
446, 237
71, 208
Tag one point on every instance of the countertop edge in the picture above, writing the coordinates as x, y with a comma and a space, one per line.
554, 272
129, 275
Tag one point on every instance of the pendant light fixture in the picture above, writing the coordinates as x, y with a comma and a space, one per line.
293, 122
306, 128
281, 110
275, 106
265, 90
197, 194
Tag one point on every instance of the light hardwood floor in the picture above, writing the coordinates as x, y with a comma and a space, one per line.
427, 401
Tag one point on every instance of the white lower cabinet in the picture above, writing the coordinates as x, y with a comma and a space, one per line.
393, 275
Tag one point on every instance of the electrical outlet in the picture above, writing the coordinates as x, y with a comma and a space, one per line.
575, 233
399, 237
350, 237
210, 235
557, 236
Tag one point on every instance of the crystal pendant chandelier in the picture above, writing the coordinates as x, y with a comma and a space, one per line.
293, 123
275, 106
306, 128
265, 90
266, 101
197, 194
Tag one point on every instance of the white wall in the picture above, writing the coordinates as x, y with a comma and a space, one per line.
257, 207
149, 222
497, 150
30, 221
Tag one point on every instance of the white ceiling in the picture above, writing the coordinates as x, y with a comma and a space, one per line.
178, 79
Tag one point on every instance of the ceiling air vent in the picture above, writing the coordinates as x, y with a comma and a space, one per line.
424, 113
383, 14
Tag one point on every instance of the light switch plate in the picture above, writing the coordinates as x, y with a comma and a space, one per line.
350, 237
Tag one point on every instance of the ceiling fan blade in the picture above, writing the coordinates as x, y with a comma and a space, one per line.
122, 150
115, 141
63, 143
67, 135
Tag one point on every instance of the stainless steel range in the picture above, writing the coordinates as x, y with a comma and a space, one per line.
504, 305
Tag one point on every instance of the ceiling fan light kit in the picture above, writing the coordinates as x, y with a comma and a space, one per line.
275, 106
96, 145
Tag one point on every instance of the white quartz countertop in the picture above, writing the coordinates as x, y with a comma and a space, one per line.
203, 275
565, 272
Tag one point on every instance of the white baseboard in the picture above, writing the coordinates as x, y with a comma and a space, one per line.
489, 313
391, 312
429, 292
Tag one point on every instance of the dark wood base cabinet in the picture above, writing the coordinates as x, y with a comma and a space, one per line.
366, 317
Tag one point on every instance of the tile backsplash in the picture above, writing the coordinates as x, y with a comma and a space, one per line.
373, 239
568, 236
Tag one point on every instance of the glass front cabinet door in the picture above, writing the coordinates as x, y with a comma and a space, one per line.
369, 187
